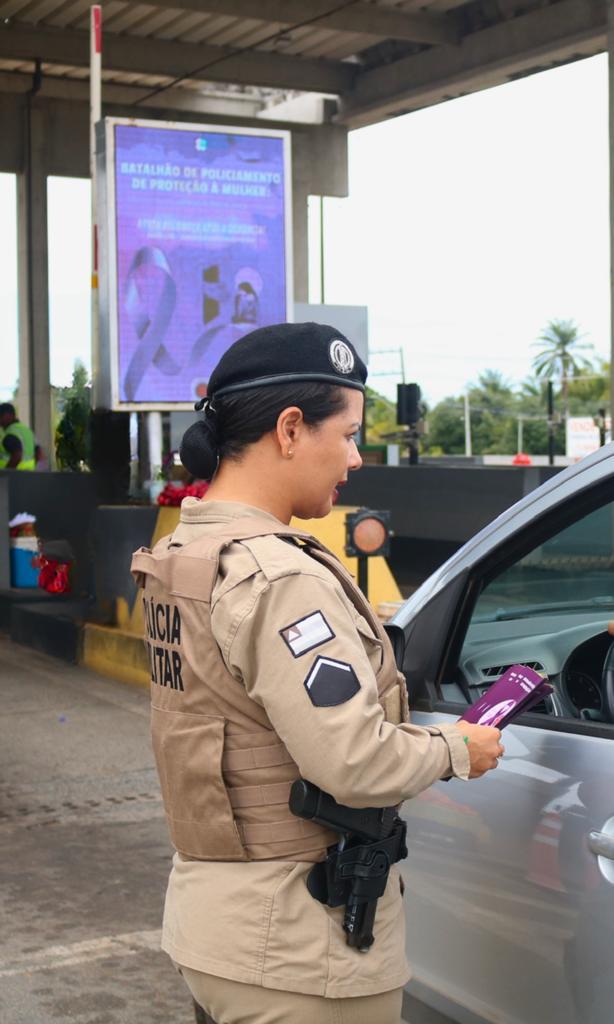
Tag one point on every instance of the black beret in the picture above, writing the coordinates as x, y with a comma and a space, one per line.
285, 353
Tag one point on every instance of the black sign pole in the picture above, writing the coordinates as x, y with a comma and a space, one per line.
550, 396
363, 575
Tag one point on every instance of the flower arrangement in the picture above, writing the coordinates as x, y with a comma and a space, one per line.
173, 495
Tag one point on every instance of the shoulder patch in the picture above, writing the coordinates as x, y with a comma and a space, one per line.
237, 566
331, 682
273, 556
306, 634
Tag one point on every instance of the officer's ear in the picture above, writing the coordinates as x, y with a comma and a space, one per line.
290, 424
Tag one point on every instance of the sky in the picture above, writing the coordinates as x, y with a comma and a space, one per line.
68, 202
468, 226
471, 224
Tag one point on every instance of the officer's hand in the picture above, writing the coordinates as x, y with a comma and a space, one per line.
483, 745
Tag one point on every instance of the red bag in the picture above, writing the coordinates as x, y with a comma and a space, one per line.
54, 577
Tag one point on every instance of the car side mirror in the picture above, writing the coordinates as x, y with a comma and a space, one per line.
397, 639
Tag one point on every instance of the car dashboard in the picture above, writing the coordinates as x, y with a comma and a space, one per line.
570, 649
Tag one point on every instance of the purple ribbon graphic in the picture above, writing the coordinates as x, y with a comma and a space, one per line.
150, 327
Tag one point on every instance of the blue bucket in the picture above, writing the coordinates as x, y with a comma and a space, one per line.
23, 573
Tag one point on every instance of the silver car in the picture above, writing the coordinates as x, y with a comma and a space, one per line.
510, 878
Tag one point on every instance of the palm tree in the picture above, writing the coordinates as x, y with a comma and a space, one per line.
561, 341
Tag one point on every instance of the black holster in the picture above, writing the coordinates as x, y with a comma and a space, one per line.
356, 870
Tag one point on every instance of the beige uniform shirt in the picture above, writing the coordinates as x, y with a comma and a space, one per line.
255, 921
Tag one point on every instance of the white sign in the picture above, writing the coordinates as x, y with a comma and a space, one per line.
582, 436
353, 321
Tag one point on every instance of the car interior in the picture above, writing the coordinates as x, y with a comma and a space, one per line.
550, 608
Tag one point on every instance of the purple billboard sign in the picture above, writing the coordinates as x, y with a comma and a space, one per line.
201, 237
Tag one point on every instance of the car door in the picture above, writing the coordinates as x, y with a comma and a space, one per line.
510, 878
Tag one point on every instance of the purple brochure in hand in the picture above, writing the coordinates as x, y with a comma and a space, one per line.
517, 690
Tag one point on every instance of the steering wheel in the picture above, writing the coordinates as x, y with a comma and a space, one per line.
554, 705
607, 685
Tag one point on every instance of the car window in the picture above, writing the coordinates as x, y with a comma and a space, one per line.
575, 565
550, 609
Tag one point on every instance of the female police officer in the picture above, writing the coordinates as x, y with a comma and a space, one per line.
266, 664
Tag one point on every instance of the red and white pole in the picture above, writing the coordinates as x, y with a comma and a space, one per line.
95, 115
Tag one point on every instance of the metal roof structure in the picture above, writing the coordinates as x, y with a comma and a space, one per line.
371, 59
315, 67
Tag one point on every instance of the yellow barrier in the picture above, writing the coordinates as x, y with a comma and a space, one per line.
330, 531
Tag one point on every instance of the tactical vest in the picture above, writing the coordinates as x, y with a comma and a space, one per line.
26, 439
224, 773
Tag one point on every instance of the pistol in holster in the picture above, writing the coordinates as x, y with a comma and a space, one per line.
356, 870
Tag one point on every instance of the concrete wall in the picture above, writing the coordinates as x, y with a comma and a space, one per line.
434, 511
64, 506
117, 531
442, 505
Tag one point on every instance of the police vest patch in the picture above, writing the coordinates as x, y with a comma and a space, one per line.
307, 633
331, 682
163, 623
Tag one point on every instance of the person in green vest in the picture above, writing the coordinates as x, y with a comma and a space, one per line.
17, 443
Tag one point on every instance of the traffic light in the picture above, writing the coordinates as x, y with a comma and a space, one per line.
367, 533
408, 404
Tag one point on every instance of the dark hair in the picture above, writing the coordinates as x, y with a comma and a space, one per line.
240, 419
6, 407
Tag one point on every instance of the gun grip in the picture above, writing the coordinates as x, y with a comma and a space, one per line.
317, 883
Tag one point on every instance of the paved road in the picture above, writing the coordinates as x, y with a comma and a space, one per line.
84, 853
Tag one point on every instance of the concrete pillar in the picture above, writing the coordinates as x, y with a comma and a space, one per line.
5, 547
154, 436
319, 168
33, 285
300, 240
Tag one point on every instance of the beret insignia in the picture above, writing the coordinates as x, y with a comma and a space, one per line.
341, 356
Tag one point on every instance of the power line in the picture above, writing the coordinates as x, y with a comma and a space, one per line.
238, 51
581, 377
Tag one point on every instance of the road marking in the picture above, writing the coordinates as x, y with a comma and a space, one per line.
128, 944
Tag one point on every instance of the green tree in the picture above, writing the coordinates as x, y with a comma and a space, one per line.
590, 390
72, 442
532, 406
80, 384
491, 402
495, 409
446, 426
381, 417
558, 359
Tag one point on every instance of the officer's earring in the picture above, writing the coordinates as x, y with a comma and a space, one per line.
289, 453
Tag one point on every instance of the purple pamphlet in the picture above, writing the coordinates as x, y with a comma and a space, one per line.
517, 690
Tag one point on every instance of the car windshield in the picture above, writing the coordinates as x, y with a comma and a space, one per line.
572, 570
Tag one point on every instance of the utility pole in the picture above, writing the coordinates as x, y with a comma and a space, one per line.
601, 425
95, 116
520, 433
550, 394
322, 289
389, 373
467, 425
